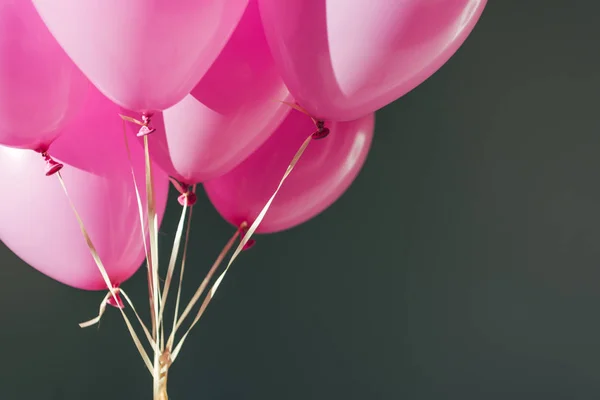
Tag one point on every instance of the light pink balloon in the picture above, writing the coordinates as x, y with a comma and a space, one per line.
342, 59
230, 113
40, 87
325, 171
37, 223
145, 55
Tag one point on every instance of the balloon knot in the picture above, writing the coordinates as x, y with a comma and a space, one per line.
52, 166
250, 243
145, 129
322, 132
186, 193
115, 300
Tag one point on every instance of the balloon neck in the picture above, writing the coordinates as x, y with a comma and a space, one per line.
115, 300
145, 129
187, 195
322, 132
52, 166
243, 230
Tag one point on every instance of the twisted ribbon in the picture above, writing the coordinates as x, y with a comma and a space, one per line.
245, 233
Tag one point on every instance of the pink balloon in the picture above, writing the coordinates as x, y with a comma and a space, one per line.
229, 114
342, 59
40, 87
145, 55
323, 174
37, 223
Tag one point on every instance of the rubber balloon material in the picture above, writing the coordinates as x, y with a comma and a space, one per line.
342, 59
325, 171
229, 114
36, 221
145, 55
40, 87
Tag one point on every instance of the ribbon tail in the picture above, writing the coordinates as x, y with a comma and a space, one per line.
101, 312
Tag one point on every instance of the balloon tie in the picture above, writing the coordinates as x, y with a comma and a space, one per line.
185, 192
322, 132
52, 166
116, 301
144, 124
243, 230
145, 128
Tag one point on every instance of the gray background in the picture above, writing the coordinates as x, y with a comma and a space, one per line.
463, 263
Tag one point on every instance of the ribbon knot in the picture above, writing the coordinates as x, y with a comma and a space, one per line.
185, 192
145, 128
52, 166
322, 132
112, 298
116, 301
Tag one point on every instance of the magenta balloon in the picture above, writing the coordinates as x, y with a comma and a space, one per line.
40, 87
145, 55
322, 175
37, 223
342, 59
229, 114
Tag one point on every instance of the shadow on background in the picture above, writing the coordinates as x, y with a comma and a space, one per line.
462, 262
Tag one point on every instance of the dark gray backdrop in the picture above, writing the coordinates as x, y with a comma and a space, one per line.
463, 263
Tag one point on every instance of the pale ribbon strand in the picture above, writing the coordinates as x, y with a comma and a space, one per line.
152, 227
153, 230
146, 331
151, 215
183, 259
242, 243
153, 233
202, 286
173, 259
102, 310
141, 213
104, 274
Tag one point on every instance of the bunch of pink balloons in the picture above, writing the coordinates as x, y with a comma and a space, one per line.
225, 93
